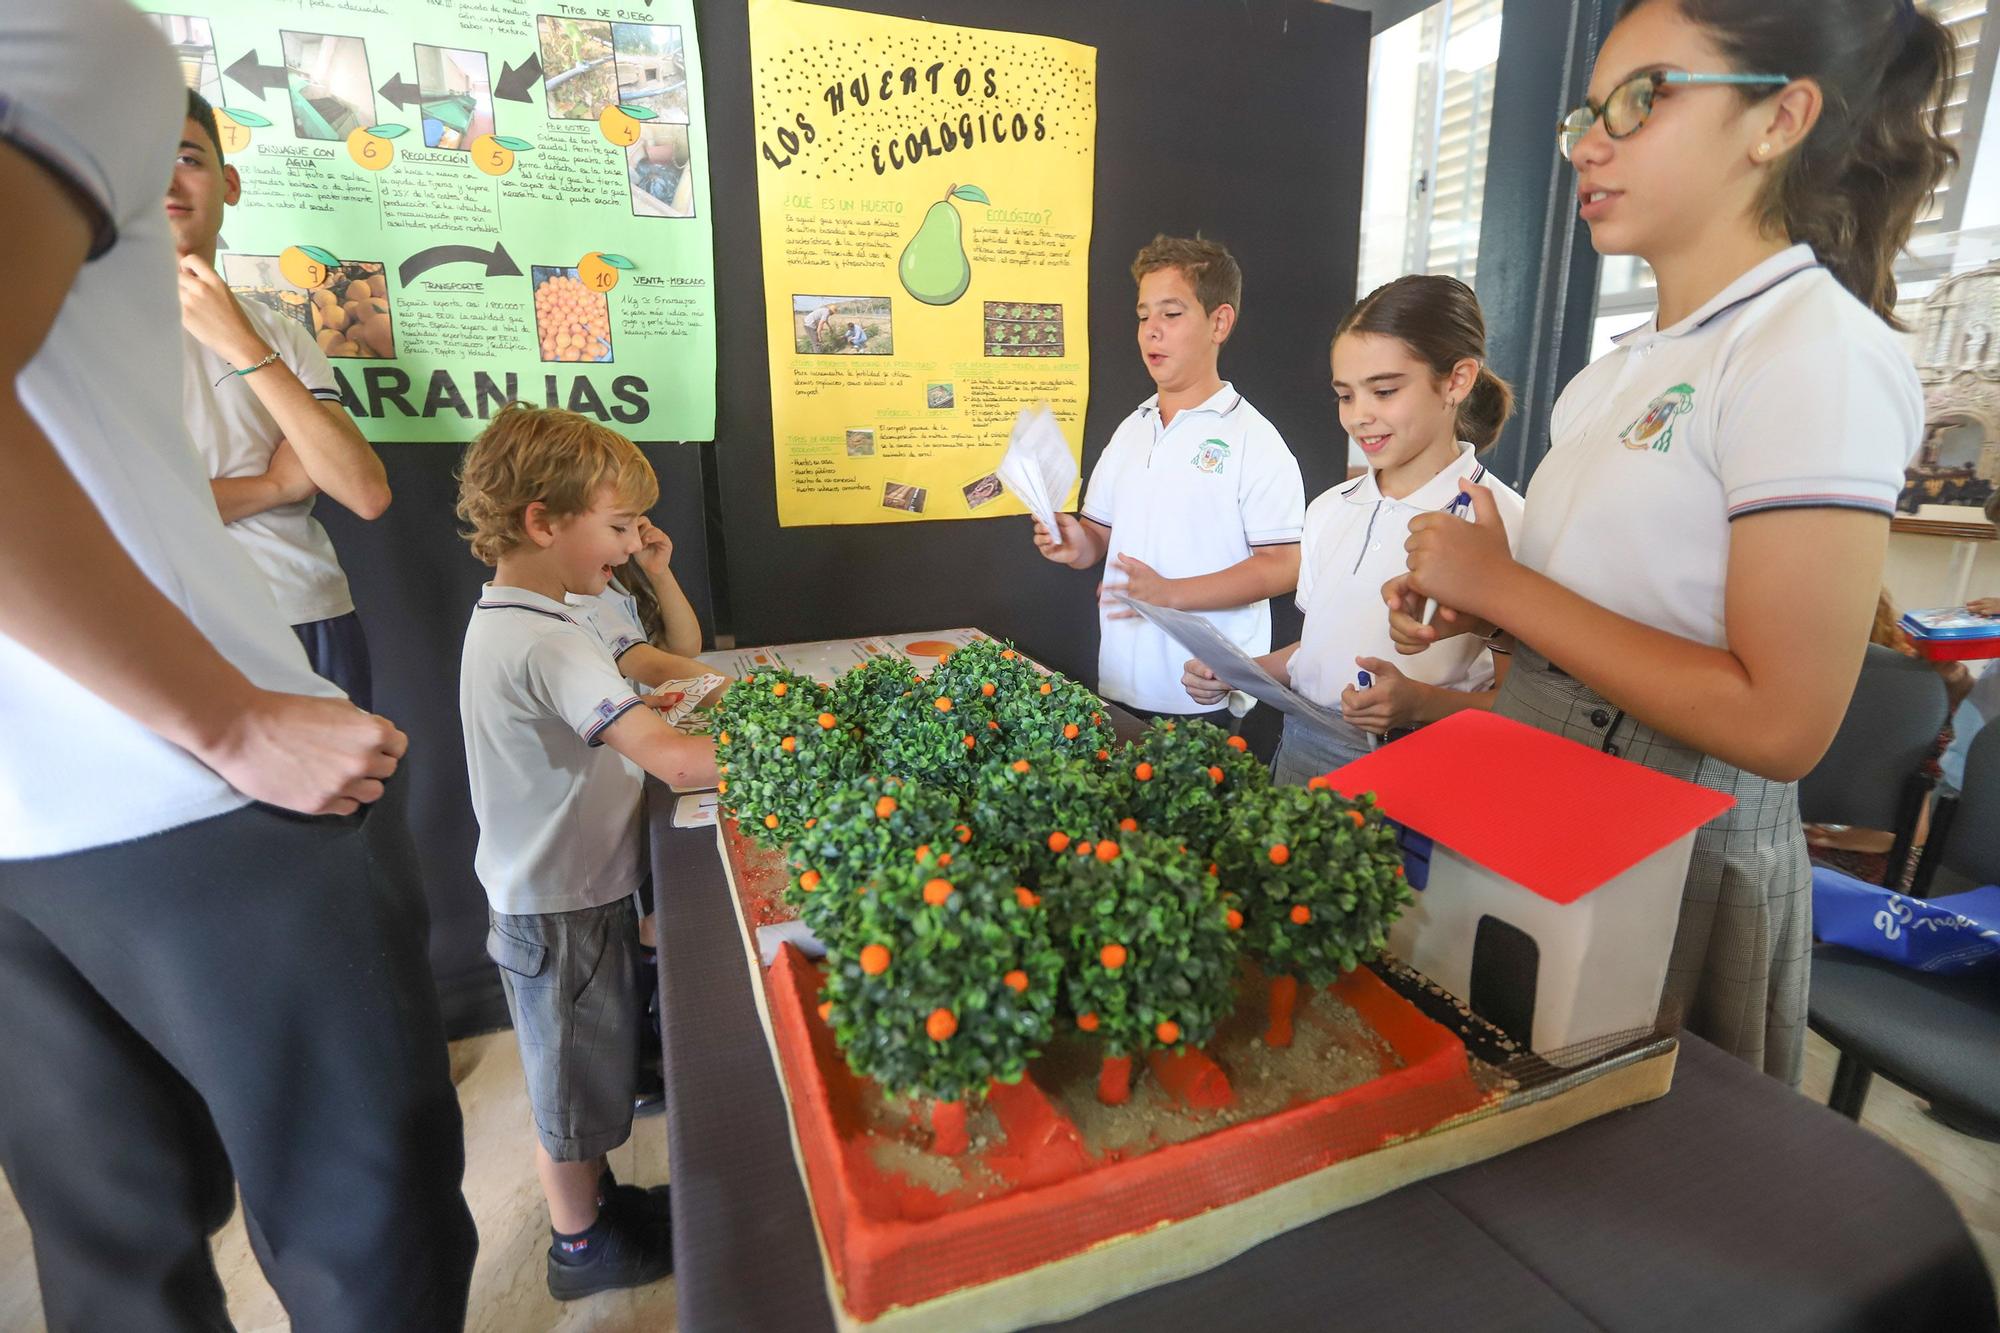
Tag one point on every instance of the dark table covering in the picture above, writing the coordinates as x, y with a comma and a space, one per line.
1730, 1203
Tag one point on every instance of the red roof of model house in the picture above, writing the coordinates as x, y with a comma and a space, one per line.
1556, 817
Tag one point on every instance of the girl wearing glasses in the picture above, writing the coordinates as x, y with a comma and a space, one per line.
1702, 546
1409, 368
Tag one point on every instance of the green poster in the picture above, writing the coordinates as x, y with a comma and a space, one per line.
471, 201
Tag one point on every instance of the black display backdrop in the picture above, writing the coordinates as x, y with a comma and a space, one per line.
414, 584
1240, 120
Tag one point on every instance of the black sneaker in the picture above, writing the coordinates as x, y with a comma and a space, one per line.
647, 1207
629, 1255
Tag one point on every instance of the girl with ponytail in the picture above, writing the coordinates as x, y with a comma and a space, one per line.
1409, 368
1699, 560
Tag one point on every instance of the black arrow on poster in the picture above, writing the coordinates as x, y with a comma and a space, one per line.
399, 91
254, 77
515, 80
499, 264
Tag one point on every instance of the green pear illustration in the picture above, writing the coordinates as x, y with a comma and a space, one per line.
934, 268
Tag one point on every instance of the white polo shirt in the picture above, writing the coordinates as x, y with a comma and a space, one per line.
614, 614
237, 435
105, 388
1354, 543
1190, 497
558, 811
1783, 392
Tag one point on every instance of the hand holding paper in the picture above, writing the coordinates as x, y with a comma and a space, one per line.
1038, 468
1230, 665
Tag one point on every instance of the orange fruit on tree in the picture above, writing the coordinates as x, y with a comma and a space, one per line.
1048, 688
923, 852
1008, 654
1237, 743
1234, 918
1280, 854
826, 1011
1301, 914
722, 786
1358, 818
943, 704
1129, 824
809, 881
885, 807
1112, 956
964, 832
969, 742
1084, 848
770, 821
991, 725
724, 738
1144, 772
875, 959
780, 690
988, 688
1103, 755
1215, 775
1071, 731
1107, 850
1168, 1031
940, 1025
789, 744
945, 859
1088, 1022
827, 721
1021, 765
1026, 896
1017, 981
811, 822
936, 891
1058, 841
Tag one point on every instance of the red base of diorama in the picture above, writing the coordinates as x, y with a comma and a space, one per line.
894, 1243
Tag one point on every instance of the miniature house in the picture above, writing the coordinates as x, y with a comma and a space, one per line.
1548, 876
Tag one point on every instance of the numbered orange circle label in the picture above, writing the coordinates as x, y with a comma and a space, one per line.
618, 127
301, 269
595, 274
370, 150
490, 157
235, 137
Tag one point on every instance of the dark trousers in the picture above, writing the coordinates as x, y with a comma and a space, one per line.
338, 651
250, 992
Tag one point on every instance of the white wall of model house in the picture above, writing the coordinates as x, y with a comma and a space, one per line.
1602, 960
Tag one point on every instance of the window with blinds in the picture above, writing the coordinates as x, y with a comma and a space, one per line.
1430, 99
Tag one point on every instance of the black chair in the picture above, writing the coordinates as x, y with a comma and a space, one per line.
1873, 776
1934, 1035
1964, 841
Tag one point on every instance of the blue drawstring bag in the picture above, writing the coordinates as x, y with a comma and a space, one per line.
1951, 935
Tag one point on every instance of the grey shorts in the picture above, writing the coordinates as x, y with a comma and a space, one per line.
571, 981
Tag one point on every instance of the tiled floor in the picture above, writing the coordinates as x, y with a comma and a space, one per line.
507, 1291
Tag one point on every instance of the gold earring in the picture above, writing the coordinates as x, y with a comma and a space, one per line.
1763, 150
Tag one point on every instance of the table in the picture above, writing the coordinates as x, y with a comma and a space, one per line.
1730, 1203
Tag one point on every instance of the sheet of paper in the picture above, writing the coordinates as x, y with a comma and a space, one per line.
1038, 468
696, 810
692, 692
1231, 665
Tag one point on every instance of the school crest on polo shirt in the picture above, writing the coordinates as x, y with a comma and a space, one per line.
1655, 427
1210, 455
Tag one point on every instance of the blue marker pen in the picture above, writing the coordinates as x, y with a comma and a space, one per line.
1363, 679
1461, 507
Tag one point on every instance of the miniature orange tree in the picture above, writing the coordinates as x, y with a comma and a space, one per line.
1314, 880
1036, 711
867, 691
1029, 810
934, 737
862, 829
1148, 955
781, 750
1180, 779
944, 981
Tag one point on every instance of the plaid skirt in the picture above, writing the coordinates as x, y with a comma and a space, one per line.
1742, 955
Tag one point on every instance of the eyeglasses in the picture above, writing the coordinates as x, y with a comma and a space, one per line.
1630, 104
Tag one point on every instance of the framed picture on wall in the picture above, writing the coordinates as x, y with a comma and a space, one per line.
1955, 341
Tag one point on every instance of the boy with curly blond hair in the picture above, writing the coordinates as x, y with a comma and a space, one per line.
553, 501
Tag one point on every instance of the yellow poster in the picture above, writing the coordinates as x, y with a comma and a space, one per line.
925, 195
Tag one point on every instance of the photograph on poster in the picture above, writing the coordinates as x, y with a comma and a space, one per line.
572, 322
842, 326
327, 77
984, 491
193, 42
660, 169
455, 96
579, 69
